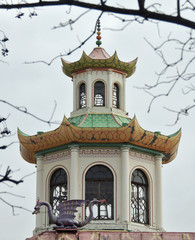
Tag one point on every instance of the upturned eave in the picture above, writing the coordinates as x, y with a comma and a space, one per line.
67, 133
87, 62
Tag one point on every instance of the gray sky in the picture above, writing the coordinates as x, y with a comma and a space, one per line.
36, 86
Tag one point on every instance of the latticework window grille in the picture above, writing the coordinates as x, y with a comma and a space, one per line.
99, 185
139, 197
82, 95
58, 189
99, 94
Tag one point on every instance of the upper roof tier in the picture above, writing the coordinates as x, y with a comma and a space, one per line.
99, 59
112, 129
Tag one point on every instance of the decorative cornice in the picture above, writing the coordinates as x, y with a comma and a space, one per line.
131, 134
57, 156
95, 152
87, 62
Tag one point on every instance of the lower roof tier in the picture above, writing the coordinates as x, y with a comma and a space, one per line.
99, 120
99, 129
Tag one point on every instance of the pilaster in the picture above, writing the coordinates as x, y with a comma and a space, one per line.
74, 152
74, 93
158, 192
123, 95
40, 190
124, 184
89, 89
109, 90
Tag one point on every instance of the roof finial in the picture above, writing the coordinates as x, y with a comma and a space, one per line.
98, 42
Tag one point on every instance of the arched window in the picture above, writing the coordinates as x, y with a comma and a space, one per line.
115, 96
99, 185
139, 197
58, 188
82, 96
99, 94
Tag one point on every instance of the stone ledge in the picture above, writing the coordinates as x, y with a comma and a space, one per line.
112, 235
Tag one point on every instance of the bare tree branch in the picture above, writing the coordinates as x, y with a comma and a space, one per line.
184, 112
12, 194
4, 50
7, 178
25, 110
190, 89
70, 51
70, 22
142, 11
183, 64
14, 207
3, 147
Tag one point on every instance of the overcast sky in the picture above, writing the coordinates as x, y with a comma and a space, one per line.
37, 86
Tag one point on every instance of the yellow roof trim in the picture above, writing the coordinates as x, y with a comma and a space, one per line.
67, 133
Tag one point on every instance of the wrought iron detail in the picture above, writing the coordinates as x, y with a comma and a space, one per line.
99, 94
139, 197
58, 189
115, 96
99, 185
82, 95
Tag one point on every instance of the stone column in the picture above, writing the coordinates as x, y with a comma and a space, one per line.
125, 184
123, 97
108, 94
40, 191
158, 191
89, 89
74, 149
75, 94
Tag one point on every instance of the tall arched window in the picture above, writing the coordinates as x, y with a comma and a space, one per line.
115, 96
99, 185
58, 188
82, 96
99, 94
139, 197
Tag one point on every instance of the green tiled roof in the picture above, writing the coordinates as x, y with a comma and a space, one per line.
76, 120
99, 120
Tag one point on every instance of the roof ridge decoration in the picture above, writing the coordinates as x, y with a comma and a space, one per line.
98, 42
131, 134
98, 59
87, 62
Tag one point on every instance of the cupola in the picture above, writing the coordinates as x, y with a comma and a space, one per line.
99, 81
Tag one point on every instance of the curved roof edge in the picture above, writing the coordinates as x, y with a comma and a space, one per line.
131, 133
86, 62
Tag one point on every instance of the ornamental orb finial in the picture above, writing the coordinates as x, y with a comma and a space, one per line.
98, 42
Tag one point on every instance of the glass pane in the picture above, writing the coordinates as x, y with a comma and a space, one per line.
99, 94
139, 197
58, 189
82, 96
115, 97
99, 185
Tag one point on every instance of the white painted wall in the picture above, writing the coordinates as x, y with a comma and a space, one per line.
89, 77
122, 162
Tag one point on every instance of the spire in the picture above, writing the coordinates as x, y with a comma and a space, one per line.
98, 42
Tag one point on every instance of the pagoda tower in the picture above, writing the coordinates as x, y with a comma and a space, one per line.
100, 152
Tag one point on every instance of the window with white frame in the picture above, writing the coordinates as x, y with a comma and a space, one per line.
58, 189
82, 96
139, 197
99, 94
99, 183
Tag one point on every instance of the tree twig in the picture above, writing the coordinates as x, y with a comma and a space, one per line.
13, 207
142, 12
70, 51
25, 110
